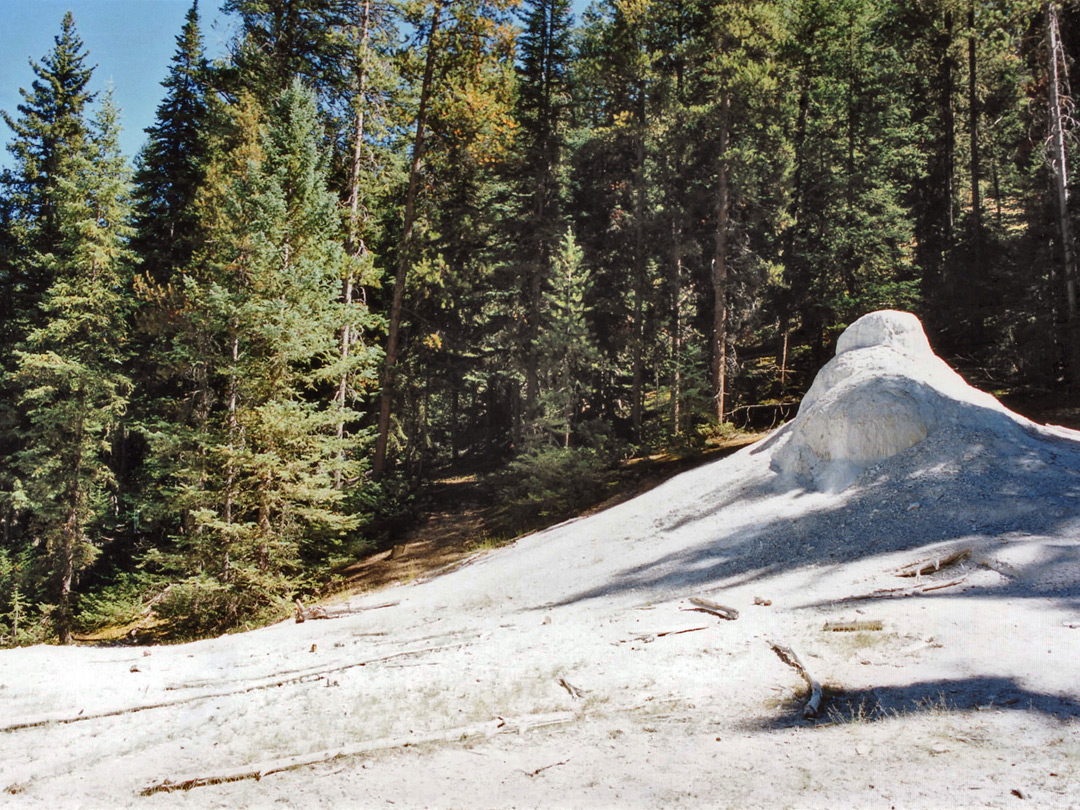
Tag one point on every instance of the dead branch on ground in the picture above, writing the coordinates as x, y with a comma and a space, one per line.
928, 565
539, 771
268, 683
257, 771
645, 638
899, 593
788, 656
716, 609
302, 614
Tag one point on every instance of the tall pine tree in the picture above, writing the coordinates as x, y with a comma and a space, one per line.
72, 391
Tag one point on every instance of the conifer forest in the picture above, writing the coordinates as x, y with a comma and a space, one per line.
382, 240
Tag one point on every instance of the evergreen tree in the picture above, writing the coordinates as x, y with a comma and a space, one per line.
68, 373
848, 248
50, 132
172, 163
461, 131
256, 464
616, 72
568, 354
543, 112
281, 39
50, 128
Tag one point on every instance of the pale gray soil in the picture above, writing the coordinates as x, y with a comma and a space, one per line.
460, 694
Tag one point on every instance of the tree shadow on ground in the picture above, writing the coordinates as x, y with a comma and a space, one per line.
987, 487
927, 698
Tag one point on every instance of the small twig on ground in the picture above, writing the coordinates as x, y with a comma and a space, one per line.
788, 656
647, 637
708, 606
575, 693
928, 565
539, 771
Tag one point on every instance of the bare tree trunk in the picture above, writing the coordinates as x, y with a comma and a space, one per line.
720, 264
676, 323
973, 112
230, 467
404, 251
638, 374
70, 534
355, 246
1059, 169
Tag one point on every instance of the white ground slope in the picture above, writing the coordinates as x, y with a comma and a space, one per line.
460, 695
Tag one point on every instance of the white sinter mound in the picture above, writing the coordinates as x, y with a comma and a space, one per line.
581, 640
884, 392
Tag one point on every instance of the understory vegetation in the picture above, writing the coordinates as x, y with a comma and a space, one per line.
383, 239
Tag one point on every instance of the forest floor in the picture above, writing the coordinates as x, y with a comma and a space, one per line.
573, 668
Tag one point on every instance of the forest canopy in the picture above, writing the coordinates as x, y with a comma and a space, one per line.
384, 238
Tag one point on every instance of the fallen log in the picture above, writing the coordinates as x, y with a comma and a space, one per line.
258, 770
928, 565
788, 656
716, 609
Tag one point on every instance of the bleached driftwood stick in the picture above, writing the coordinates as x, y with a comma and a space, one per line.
574, 691
851, 627
928, 565
897, 593
788, 656
708, 606
302, 614
268, 682
258, 770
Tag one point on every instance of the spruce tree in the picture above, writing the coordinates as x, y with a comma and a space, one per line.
543, 111
50, 132
255, 465
172, 163
50, 128
72, 391
568, 354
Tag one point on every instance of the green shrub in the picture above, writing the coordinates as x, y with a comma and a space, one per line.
549, 484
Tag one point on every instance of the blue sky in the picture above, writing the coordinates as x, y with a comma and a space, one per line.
130, 41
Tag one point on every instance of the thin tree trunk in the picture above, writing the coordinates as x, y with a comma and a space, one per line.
973, 111
230, 468
676, 323
404, 251
637, 384
949, 127
1059, 169
70, 534
355, 246
720, 264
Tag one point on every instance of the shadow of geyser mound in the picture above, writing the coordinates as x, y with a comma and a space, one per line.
891, 451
